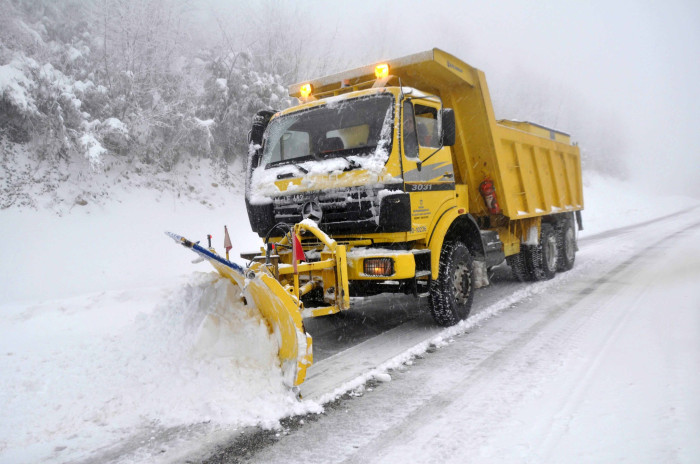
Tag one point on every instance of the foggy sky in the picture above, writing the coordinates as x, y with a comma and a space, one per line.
630, 71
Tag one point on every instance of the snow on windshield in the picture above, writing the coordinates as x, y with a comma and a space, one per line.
326, 140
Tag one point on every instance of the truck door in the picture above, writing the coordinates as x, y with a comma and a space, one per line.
433, 184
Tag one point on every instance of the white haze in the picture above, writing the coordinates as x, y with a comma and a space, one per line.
621, 77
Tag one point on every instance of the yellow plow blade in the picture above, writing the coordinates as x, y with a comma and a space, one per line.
281, 312
278, 307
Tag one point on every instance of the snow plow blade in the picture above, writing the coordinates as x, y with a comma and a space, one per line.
277, 306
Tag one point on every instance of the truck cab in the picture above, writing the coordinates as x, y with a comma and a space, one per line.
354, 165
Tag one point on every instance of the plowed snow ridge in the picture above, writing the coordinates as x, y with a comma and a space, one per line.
195, 358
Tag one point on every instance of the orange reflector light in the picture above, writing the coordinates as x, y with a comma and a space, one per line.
379, 266
381, 71
305, 90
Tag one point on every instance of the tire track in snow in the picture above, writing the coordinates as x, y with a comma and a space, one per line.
500, 366
485, 373
583, 381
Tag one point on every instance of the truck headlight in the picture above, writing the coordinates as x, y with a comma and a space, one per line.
379, 266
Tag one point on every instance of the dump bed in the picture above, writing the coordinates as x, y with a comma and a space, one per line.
537, 175
535, 170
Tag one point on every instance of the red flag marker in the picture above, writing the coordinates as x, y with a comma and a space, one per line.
297, 251
227, 241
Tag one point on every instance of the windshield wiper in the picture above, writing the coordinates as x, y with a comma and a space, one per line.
289, 174
300, 167
352, 164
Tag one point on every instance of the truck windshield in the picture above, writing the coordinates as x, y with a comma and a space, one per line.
358, 127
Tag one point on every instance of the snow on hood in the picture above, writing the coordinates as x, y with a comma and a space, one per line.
321, 175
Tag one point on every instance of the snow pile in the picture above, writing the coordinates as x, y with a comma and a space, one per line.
76, 377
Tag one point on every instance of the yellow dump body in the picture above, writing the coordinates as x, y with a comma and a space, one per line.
536, 171
538, 176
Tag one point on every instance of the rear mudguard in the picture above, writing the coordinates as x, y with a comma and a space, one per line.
278, 307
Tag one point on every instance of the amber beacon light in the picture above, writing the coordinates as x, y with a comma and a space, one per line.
381, 71
305, 90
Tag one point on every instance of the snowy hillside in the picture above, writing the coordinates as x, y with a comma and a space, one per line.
108, 332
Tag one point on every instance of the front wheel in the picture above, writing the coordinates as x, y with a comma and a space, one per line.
452, 293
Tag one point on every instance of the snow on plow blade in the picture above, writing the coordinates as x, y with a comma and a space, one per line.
279, 309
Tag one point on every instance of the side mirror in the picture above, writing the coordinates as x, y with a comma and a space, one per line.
255, 159
447, 127
260, 122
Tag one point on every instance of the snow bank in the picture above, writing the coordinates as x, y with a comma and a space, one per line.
611, 203
77, 375
118, 246
108, 334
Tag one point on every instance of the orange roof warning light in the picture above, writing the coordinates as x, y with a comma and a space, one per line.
305, 90
381, 71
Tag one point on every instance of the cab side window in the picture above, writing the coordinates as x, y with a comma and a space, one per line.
427, 126
410, 139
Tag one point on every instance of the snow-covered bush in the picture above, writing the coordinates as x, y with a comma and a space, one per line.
87, 85
93, 150
115, 135
233, 93
17, 106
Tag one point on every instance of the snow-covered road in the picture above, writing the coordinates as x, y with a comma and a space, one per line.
601, 364
121, 353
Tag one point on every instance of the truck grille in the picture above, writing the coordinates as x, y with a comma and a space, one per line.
344, 210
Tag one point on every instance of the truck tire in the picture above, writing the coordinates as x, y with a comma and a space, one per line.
541, 260
566, 244
452, 293
518, 266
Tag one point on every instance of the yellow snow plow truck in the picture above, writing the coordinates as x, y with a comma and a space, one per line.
396, 177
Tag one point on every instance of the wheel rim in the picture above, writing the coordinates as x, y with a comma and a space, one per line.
462, 284
569, 244
550, 252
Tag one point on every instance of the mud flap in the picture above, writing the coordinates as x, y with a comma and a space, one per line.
481, 275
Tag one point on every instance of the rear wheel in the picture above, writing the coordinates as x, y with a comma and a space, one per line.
518, 267
452, 293
542, 259
566, 246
